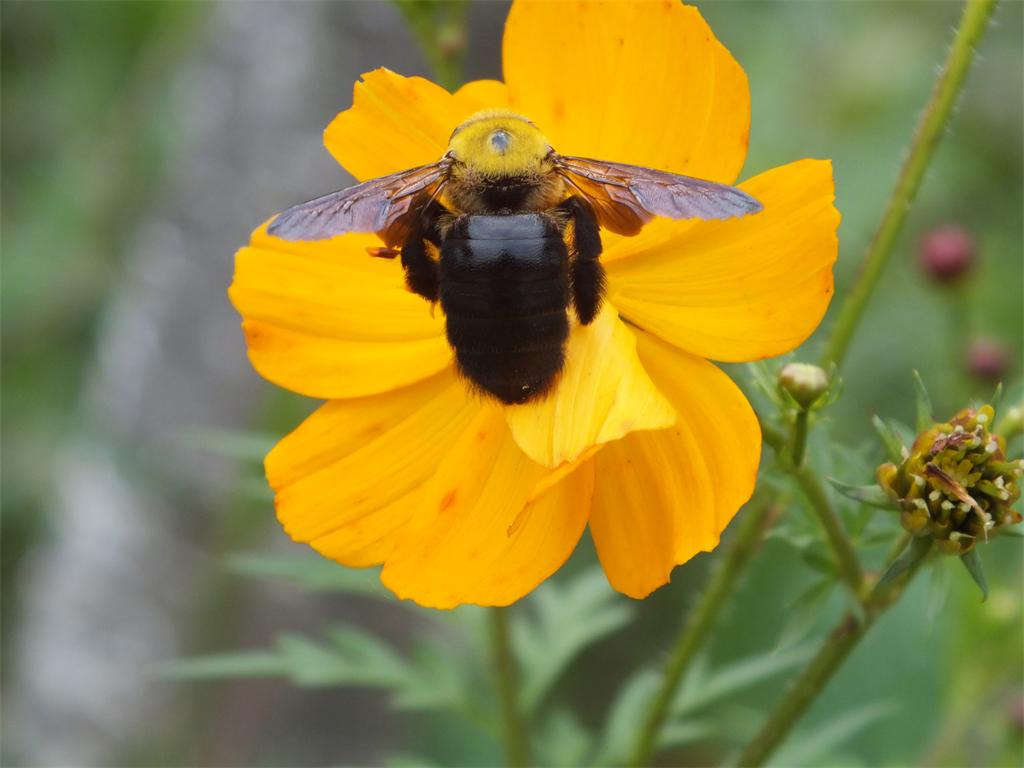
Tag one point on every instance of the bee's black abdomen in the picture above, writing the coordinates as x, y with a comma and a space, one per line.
504, 289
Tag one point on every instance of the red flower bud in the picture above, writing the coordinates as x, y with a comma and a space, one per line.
946, 253
986, 359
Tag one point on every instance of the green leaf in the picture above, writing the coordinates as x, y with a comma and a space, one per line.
349, 657
235, 444
803, 613
871, 495
627, 712
814, 746
996, 400
923, 404
731, 678
221, 665
765, 379
439, 680
560, 739
310, 571
972, 561
678, 734
915, 551
568, 618
894, 447
816, 557
361, 660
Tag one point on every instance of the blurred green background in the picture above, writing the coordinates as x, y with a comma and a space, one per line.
142, 141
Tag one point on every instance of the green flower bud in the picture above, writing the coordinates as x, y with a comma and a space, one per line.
1012, 422
804, 382
956, 484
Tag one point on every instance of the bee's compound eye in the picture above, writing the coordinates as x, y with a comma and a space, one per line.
500, 140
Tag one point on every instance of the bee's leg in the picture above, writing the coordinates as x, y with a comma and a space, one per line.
421, 272
586, 270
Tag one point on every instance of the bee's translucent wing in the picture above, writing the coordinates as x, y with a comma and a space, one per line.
625, 197
381, 205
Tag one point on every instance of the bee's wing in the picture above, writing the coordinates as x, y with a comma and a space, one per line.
381, 205
625, 197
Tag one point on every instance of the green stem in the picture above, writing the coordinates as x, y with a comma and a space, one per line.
837, 646
697, 628
816, 493
440, 28
516, 743
842, 547
929, 132
800, 437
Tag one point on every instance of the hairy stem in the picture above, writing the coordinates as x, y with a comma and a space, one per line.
929, 131
814, 489
800, 436
697, 628
516, 744
842, 547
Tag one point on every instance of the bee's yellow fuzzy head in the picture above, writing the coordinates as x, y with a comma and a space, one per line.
500, 143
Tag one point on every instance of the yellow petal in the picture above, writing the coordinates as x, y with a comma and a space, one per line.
398, 122
634, 82
348, 479
472, 540
717, 415
661, 497
477, 95
328, 320
603, 393
741, 289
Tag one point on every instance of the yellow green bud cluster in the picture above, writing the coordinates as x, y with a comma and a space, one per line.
956, 484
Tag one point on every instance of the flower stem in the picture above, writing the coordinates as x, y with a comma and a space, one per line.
814, 489
823, 666
516, 744
842, 547
800, 437
699, 624
929, 131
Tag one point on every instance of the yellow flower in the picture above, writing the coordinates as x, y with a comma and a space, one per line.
467, 501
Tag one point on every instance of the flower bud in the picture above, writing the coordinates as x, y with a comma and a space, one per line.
986, 359
1012, 422
946, 253
956, 484
805, 382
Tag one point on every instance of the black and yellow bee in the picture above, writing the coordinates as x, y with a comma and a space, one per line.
505, 233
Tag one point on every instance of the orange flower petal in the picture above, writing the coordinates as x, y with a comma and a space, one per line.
603, 393
661, 497
349, 478
398, 122
482, 94
475, 540
741, 289
328, 320
634, 82
718, 416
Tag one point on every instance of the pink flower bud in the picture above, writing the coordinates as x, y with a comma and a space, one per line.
986, 359
946, 253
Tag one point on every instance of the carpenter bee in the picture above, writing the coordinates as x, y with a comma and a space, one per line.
505, 233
